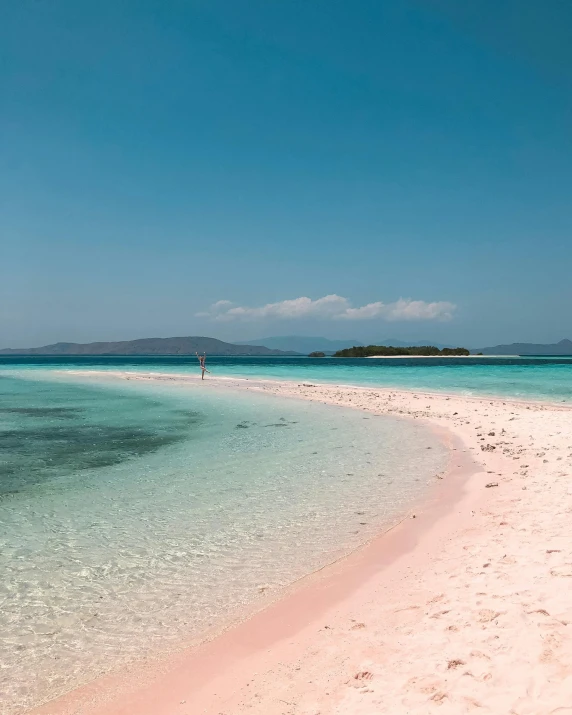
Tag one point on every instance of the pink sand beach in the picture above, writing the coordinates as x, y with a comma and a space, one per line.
465, 606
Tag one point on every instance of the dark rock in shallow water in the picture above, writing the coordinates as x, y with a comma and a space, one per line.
58, 412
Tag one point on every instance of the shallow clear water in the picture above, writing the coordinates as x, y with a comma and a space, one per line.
527, 378
134, 516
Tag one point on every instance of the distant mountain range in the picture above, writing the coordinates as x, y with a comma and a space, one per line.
564, 347
280, 345
149, 346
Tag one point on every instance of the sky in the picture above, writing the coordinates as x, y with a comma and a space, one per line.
244, 168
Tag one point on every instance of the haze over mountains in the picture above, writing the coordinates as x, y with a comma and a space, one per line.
148, 346
278, 345
564, 347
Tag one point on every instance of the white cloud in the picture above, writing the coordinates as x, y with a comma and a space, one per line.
333, 307
402, 310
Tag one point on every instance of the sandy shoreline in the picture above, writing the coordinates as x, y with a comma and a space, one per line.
464, 608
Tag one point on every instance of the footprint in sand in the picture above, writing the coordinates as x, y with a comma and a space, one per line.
438, 697
563, 571
486, 615
455, 663
363, 675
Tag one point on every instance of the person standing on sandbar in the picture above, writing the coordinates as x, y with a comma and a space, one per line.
202, 359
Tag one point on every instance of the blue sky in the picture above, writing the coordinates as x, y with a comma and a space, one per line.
159, 157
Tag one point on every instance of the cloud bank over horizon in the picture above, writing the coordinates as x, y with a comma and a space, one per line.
332, 307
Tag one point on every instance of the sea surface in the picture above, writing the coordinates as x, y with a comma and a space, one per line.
135, 517
524, 378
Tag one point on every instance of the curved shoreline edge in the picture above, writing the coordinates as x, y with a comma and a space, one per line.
399, 623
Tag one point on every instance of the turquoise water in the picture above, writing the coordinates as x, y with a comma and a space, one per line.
524, 378
135, 516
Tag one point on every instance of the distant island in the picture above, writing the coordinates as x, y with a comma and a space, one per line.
305, 344
359, 351
191, 344
150, 346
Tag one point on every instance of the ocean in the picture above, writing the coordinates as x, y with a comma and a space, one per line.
136, 516
522, 378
